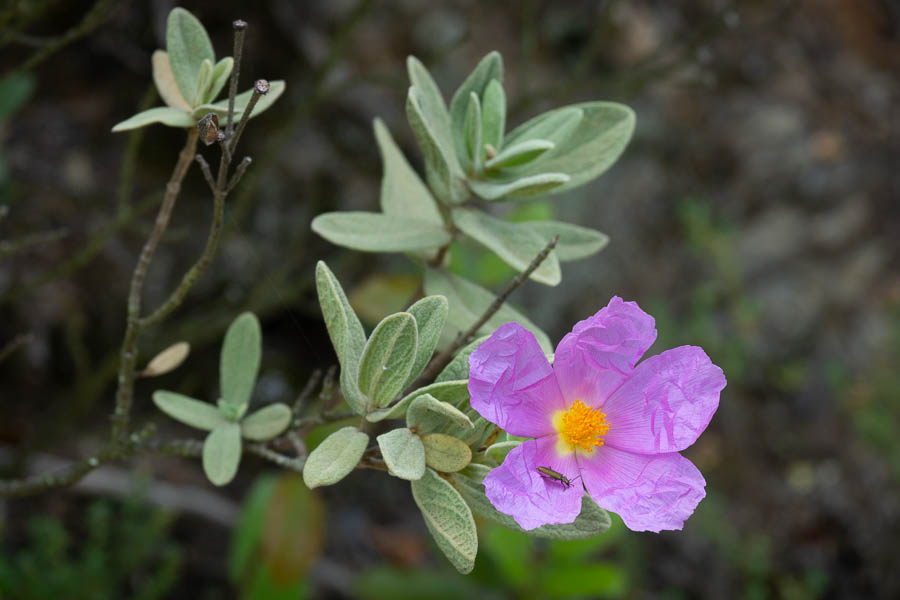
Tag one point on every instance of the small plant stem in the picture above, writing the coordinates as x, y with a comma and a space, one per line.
260, 88
240, 27
128, 354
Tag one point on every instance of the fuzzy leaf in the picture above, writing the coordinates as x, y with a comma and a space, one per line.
458, 368
266, 423
403, 193
403, 454
219, 78
222, 453
446, 453
426, 413
239, 362
442, 168
523, 187
469, 301
499, 450
453, 392
519, 154
165, 82
188, 45
448, 518
515, 245
592, 521
554, 126
388, 358
172, 117
335, 457
204, 79
184, 409
431, 314
167, 361
574, 241
474, 151
493, 115
431, 101
276, 89
377, 232
489, 69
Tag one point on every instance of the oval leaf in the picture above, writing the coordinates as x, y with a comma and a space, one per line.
442, 170
519, 154
453, 392
219, 78
489, 69
459, 366
168, 360
172, 117
188, 45
445, 453
204, 79
498, 451
222, 453
266, 423
474, 151
574, 241
403, 193
335, 457
403, 454
431, 314
448, 518
388, 358
239, 362
184, 409
530, 185
555, 126
493, 115
426, 413
165, 82
377, 232
516, 245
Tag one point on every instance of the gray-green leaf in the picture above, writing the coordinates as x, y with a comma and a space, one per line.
574, 241
431, 314
523, 187
219, 78
493, 115
165, 82
388, 358
346, 333
489, 69
555, 126
469, 301
222, 453
517, 246
204, 79
276, 89
335, 457
442, 168
403, 193
426, 413
519, 154
448, 518
403, 454
377, 232
445, 453
239, 362
499, 450
166, 115
266, 423
459, 366
453, 392
195, 413
188, 45
474, 151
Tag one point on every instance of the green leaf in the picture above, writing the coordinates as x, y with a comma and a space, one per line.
493, 115
516, 245
519, 154
335, 457
442, 168
574, 241
593, 146
276, 89
489, 69
239, 362
165, 82
453, 392
426, 413
184, 409
445, 453
474, 151
530, 185
555, 126
448, 518
266, 423
172, 117
499, 450
458, 368
188, 45
377, 232
219, 78
222, 453
388, 358
204, 79
403, 454
431, 101
166, 361
469, 301
346, 333
431, 314
403, 193
592, 520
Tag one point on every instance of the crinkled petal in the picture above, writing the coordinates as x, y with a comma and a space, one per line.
518, 489
601, 351
512, 384
666, 403
649, 492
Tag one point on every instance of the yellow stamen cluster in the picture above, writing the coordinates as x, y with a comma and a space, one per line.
582, 427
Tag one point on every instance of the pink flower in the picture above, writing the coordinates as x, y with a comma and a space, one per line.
604, 422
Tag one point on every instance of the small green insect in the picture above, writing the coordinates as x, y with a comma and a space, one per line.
556, 476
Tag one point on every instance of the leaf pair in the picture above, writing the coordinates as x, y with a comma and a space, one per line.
238, 368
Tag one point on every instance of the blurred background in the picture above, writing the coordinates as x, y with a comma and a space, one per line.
755, 213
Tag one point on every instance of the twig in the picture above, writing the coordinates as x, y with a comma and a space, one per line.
24, 242
17, 342
207, 173
307, 391
238, 173
260, 89
440, 361
240, 27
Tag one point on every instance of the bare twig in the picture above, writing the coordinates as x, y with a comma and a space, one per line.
260, 89
238, 173
303, 397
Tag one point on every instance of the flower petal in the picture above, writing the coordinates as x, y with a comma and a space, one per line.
650, 493
512, 384
666, 403
518, 489
601, 351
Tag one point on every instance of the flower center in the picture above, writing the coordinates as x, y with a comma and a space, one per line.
582, 426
